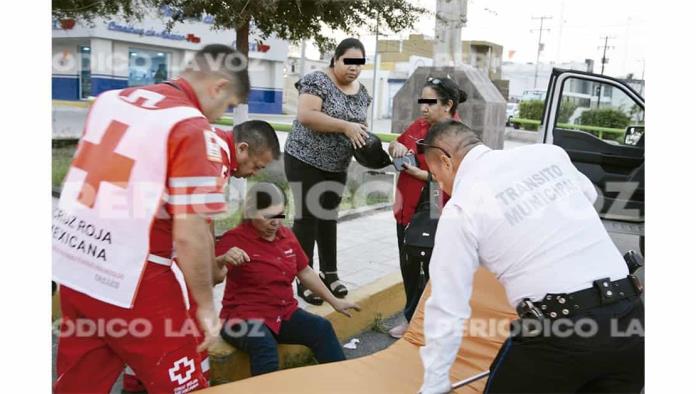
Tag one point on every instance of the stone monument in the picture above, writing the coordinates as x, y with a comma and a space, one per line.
483, 111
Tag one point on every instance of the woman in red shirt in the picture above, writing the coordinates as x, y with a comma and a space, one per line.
259, 309
438, 101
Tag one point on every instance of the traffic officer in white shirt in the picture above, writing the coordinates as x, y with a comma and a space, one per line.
527, 215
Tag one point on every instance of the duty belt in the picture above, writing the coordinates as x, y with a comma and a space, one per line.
603, 292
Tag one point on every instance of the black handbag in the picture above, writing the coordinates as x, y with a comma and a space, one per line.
420, 232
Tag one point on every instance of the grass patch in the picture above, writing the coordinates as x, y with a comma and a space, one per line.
299, 360
62, 157
378, 325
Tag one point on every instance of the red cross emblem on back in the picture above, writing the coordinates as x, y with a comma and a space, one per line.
103, 164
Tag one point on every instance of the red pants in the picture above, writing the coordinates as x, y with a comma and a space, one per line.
156, 338
132, 384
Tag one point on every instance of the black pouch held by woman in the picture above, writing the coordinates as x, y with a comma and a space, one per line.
419, 234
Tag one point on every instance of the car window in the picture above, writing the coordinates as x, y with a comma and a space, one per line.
601, 109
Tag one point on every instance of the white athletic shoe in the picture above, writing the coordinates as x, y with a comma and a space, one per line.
398, 331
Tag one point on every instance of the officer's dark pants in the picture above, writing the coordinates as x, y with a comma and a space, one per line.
414, 284
603, 363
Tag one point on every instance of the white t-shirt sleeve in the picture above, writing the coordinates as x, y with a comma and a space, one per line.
452, 266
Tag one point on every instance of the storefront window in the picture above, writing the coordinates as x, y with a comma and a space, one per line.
147, 67
85, 72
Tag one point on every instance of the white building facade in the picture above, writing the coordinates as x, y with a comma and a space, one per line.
113, 54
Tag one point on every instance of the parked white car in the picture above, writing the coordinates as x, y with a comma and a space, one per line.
512, 112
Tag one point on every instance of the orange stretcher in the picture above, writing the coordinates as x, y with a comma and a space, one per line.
398, 368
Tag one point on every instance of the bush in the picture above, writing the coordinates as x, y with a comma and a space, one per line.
566, 111
532, 109
605, 117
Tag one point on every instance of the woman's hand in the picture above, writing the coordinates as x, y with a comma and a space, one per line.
415, 172
397, 149
343, 306
356, 133
236, 256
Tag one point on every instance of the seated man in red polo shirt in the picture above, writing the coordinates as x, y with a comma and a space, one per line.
259, 309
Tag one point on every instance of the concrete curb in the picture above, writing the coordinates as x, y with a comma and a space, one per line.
383, 297
363, 211
70, 103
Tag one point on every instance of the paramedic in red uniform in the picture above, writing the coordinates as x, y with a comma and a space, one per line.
235, 162
165, 363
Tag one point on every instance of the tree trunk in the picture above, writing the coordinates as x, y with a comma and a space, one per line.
241, 112
243, 38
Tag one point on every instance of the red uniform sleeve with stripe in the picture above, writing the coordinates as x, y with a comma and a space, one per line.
194, 173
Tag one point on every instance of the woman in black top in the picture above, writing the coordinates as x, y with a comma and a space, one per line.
331, 121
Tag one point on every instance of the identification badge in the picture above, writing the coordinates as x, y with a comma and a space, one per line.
213, 149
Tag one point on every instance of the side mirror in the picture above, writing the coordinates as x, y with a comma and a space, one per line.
633, 134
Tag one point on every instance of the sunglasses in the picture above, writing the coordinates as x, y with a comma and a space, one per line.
421, 146
433, 81
278, 216
354, 61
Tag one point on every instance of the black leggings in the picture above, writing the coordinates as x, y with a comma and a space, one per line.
414, 284
316, 209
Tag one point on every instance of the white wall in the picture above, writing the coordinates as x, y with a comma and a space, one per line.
382, 99
521, 75
266, 74
102, 58
65, 58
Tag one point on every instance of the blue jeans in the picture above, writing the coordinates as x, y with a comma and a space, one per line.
303, 328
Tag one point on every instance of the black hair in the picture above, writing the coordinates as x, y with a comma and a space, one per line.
452, 128
344, 46
226, 60
263, 195
446, 89
259, 135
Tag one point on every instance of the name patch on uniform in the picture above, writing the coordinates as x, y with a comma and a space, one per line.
213, 149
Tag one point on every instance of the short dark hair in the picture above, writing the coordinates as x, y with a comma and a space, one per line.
344, 46
452, 128
225, 60
446, 89
263, 195
259, 135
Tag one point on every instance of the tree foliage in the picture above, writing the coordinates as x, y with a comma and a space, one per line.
291, 20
